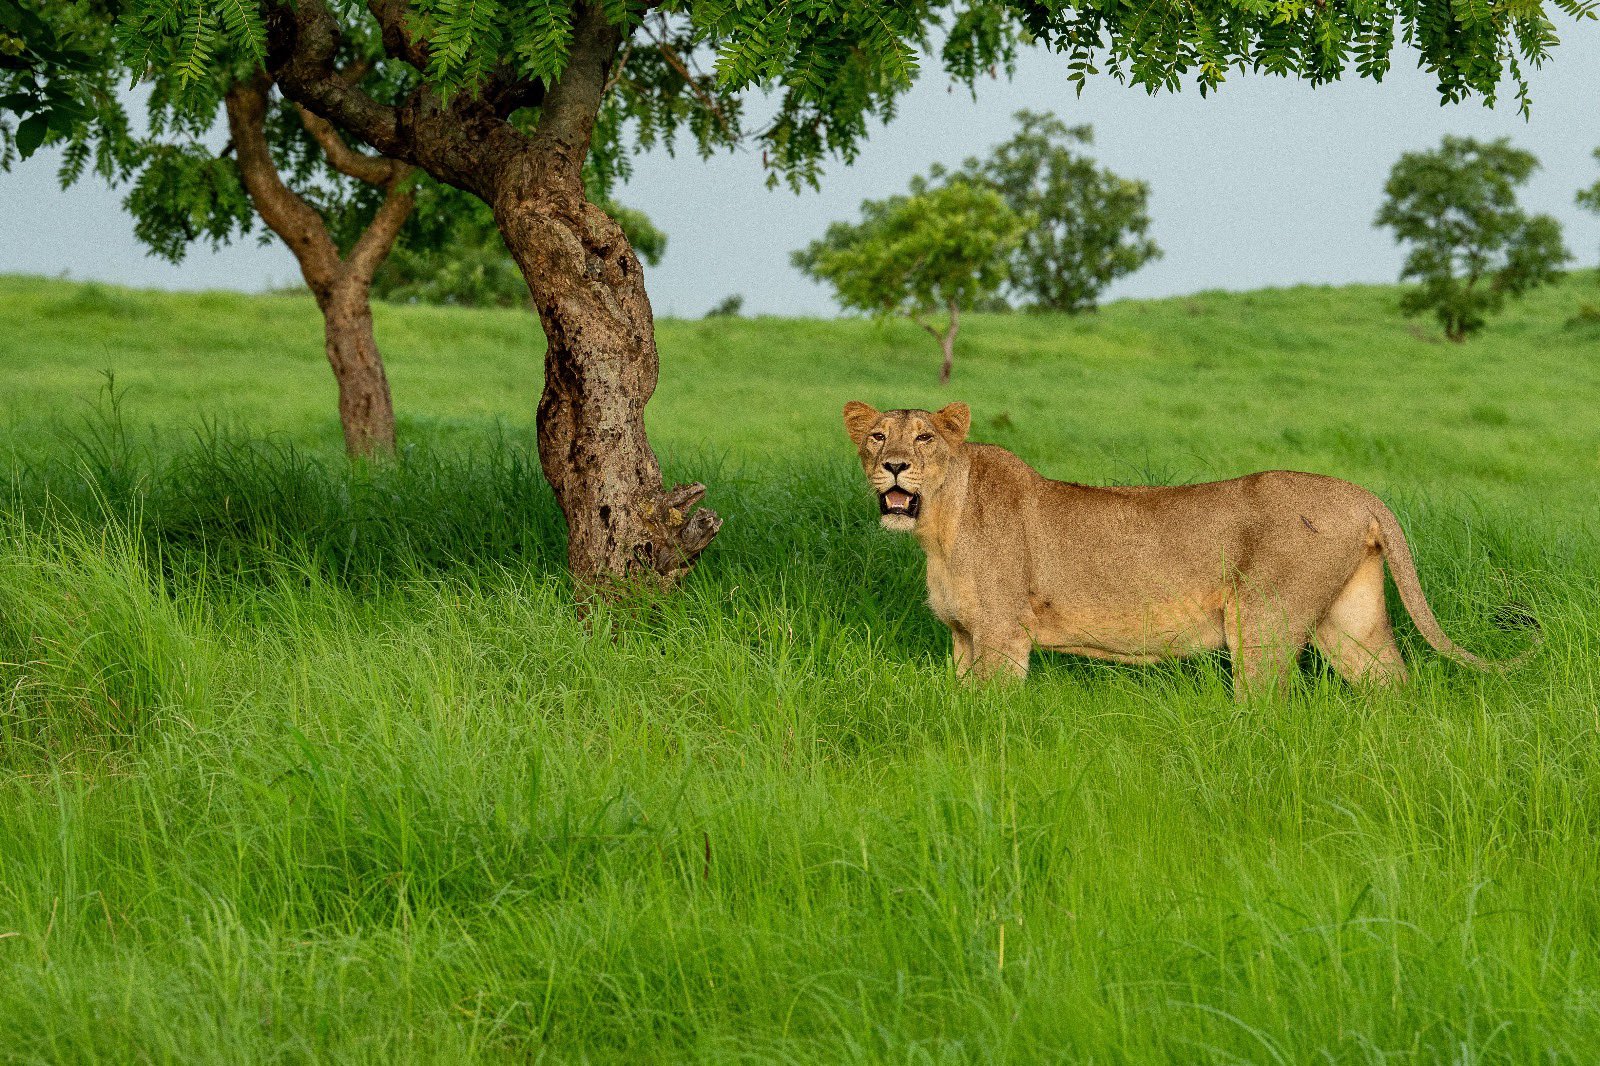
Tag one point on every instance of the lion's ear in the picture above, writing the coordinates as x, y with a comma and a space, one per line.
954, 420
858, 419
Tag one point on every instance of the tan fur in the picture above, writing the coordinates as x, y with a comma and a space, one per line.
1258, 565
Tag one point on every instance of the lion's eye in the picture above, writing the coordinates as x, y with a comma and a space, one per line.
923, 438
876, 438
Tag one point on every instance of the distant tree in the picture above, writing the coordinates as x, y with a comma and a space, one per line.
1590, 198
1472, 247
1089, 225
943, 248
730, 307
465, 263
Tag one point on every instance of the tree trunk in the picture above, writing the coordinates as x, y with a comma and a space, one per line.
365, 410
947, 342
600, 359
600, 371
341, 285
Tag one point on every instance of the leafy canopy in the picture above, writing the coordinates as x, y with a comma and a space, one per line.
943, 246
1472, 247
53, 73
835, 65
185, 186
184, 190
1090, 226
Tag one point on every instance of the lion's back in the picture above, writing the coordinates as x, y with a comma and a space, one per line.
1161, 535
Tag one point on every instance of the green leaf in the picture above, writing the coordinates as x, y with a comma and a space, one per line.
31, 133
61, 121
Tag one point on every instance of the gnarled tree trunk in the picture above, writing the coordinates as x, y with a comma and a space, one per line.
600, 361
599, 372
341, 284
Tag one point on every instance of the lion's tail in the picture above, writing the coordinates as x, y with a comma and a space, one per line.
1403, 568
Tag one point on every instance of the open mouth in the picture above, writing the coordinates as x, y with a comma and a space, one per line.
898, 501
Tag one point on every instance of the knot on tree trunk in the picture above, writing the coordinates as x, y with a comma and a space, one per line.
679, 531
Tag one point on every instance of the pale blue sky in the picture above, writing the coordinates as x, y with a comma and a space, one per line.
1266, 182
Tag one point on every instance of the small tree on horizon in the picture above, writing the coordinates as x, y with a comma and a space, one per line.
1090, 225
1472, 247
940, 249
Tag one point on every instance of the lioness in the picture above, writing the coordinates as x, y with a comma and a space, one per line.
1258, 565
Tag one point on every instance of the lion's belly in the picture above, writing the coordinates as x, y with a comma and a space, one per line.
1154, 630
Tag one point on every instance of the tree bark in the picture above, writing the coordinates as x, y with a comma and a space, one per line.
585, 282
366, 412
341, 285
600, 371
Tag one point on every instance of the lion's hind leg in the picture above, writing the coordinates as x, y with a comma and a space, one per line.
1354, 634
1264, 643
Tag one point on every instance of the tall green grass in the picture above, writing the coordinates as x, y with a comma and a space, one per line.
306, 762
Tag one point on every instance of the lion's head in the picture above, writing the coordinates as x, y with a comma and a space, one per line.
905, 455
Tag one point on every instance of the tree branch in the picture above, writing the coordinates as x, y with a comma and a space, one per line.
455, 141
621, 65
707, 101
397, 39
916, 318
373, 246
566, 122
302, 41
372, 169
505, 92
355, 71
290, 217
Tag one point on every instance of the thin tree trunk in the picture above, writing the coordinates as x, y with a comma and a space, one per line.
341, 285
947, 342
366, 411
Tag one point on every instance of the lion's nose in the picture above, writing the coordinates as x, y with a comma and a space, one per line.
895, 468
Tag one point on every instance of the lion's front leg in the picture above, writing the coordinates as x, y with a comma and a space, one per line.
1000, 653
960, 648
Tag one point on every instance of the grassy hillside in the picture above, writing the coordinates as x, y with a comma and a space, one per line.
1212, 385
300, 763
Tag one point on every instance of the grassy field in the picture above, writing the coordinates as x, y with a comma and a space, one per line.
302, 763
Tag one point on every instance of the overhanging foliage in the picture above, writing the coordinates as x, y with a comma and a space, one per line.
836, 65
